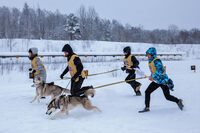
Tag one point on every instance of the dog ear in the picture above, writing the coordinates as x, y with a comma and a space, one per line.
51, 102
37, 78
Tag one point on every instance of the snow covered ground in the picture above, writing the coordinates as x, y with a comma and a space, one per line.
118, 103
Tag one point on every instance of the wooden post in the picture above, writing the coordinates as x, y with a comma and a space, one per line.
193, 67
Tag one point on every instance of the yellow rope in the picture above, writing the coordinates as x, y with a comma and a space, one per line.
118, 82
110, 83
94, 74
103, 72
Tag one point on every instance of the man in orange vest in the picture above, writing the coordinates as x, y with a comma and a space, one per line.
75, 67
130, 63
37, 66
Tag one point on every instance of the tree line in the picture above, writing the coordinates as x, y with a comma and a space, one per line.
85, 25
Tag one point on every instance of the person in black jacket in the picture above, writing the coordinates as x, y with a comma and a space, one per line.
130, 63
75, 67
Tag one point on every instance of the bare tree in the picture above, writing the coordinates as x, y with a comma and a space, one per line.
86, 25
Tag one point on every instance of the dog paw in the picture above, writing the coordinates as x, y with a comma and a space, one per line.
67, 113
33, 85
53, 118
97, 109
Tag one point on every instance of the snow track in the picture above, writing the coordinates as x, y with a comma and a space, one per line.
118, 103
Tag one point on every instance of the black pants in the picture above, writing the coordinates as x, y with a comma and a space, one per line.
152, 87
76, 89
133, 83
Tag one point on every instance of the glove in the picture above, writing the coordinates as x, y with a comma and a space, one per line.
30, 69
123, 68
33, 71
61, 76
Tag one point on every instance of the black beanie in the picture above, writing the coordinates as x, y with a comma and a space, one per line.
67, 48
127, 50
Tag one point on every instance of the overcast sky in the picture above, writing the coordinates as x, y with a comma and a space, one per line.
150, 14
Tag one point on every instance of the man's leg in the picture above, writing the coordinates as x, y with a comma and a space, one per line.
167, 95
134, 84
152, 87
76, 86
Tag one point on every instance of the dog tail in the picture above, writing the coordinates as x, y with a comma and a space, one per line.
89, 92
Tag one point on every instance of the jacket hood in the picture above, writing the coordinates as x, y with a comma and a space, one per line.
127, 50
33, 50
152, 52
67, 48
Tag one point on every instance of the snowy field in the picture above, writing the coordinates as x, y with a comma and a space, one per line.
118, 103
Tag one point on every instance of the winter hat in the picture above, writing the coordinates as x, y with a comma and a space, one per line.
33, 50
152, 51
127, 50
67, 48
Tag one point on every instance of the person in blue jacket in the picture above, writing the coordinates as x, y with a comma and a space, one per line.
159, 78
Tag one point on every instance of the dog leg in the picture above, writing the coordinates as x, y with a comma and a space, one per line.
56, 115
67, 112
37, 94
90, 107
34, 99
96, 108
38, 99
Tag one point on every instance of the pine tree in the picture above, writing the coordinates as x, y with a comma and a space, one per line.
72, 27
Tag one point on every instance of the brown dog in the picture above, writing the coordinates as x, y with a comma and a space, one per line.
46, 89
66, 103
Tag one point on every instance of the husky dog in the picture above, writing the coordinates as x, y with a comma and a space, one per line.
47, 89
66, 103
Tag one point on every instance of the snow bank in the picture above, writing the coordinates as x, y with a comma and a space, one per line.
21, 45
118, 103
